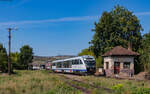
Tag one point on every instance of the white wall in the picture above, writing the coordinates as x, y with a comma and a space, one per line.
120, 59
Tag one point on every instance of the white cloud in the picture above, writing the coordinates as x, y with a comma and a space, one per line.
142, 13
67, 19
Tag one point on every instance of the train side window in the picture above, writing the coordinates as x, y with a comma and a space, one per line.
77, 62
80, 62
59, 65
54, 64
68, 64
65, 64
62, 64
72, 62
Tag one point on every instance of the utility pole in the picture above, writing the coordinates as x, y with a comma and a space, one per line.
9, 50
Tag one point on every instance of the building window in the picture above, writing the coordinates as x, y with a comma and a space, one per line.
126, 65
107, 65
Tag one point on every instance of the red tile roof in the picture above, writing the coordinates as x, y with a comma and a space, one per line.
120, 51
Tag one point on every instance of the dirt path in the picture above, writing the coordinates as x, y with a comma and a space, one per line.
77, 79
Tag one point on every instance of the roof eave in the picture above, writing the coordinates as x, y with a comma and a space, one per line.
119, 55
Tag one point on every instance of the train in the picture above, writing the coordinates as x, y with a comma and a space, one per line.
78, 65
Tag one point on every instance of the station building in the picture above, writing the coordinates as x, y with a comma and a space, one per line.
119, 62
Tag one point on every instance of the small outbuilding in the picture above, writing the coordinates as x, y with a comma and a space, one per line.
119, 62
37, 65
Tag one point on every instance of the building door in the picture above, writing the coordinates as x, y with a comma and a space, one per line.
107, 65
116, 67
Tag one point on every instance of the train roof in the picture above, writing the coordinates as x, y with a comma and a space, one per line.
78, 57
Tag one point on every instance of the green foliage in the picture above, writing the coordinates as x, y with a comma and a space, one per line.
145, 52
117, 27
14, 57
141, 91
3, 59
86, 52
25, 56
14, 60
118, 88
99, 61
18, 60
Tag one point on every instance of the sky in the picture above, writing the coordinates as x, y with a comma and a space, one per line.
59, 27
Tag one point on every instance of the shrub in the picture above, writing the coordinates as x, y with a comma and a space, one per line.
118, 88
3, 59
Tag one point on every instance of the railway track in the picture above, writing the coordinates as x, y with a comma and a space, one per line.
73, 83
82, 85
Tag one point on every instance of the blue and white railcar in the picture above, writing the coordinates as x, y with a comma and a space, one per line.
80, 64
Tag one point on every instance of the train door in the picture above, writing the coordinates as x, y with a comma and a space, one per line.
116, 67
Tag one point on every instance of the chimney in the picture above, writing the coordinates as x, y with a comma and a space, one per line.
130, 46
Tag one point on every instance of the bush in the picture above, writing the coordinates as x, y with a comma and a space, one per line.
25, 56
99, 62
3, 59
118, 88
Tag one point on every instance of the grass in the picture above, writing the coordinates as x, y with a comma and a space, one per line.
109, 82
127, 86
34, 82
43, 82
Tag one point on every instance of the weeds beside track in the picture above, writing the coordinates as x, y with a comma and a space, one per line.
84, 86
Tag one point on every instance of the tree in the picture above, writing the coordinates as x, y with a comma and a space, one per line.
117, 27
25, 56
14, 60
145, 52
3, 59
86, 52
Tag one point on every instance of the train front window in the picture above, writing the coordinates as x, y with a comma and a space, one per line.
90, 63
